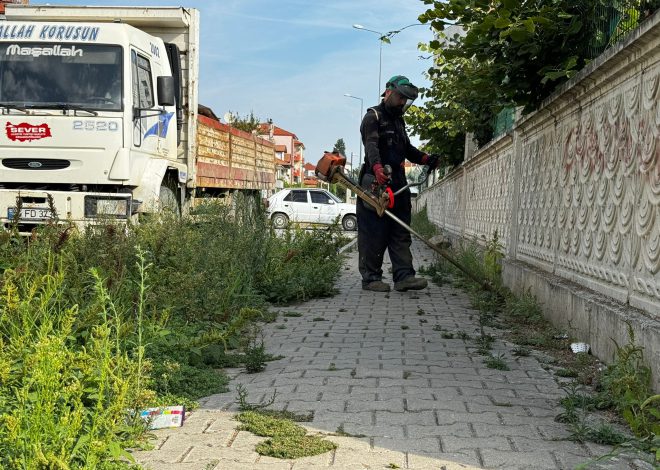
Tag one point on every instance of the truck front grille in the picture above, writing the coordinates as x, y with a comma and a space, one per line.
35, 164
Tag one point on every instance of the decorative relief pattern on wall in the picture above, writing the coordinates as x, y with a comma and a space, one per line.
604, 209
488, 197
539, 199
588, 194
444, 203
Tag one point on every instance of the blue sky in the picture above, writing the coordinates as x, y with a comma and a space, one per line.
293, 60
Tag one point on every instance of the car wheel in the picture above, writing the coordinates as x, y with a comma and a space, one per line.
349, 223
280, 220
168, 202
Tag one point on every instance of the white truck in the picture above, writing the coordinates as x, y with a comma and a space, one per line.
99, 117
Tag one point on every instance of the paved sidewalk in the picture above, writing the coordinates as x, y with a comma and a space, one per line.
376, 367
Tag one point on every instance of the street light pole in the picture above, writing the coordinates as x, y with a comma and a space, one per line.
348, 95
381, 38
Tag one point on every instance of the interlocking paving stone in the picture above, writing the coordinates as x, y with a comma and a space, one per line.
538, 460
449, 460
456, 444
404, 396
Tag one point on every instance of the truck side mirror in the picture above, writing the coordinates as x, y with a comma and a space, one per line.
165, 88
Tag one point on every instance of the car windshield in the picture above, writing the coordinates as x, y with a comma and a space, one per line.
34, 75
335, 198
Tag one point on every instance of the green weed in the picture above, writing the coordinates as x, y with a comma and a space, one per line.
245, 405
438, 272
270, 316
496, 362
341, 432
293, 314
525, 308
493, 256
485, 344
421, 223
566, 373
627, 383
256, 358
290, 415
521, 351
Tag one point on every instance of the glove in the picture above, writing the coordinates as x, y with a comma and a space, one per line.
432, 161
379, 172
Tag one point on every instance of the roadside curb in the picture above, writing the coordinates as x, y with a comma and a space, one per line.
348, 246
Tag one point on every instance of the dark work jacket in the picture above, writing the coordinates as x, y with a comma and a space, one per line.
386, 142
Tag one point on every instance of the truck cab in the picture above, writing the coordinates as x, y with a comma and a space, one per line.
90, 121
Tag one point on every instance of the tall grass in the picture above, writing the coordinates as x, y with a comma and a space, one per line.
63, 404
98, 323
421, 223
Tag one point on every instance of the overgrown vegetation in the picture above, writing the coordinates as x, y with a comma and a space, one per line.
420, 222
99, 324
624, 386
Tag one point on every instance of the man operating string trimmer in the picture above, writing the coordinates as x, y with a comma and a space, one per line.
387, 146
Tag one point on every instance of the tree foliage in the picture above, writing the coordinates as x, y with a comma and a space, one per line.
506, 53
248, 123
340, 147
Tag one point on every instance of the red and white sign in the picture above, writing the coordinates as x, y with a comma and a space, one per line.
24, 132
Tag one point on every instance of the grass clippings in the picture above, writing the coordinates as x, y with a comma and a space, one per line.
287, 440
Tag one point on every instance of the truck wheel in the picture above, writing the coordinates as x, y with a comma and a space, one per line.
169, 204
349, 223
280, 220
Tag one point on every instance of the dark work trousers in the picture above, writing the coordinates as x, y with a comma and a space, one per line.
375, 234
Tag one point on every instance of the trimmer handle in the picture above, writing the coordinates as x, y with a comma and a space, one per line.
385, 192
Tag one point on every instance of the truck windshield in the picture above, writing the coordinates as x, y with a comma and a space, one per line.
86, 76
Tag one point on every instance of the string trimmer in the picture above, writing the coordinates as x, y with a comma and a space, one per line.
381, 198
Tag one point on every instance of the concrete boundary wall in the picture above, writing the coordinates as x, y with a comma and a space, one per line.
574, 195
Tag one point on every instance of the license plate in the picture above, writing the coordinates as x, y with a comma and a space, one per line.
31, 213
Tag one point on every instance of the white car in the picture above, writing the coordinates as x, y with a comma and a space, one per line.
315, 206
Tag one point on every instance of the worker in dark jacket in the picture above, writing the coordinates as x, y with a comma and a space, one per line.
386, 143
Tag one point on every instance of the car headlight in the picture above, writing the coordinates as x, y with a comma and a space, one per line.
103, 206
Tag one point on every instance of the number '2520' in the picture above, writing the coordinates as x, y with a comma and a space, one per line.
109, 126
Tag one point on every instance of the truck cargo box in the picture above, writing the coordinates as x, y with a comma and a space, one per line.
230, 158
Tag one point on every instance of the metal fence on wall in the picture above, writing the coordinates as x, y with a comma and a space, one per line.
503, 122
616, 18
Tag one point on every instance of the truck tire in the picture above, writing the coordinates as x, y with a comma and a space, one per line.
279, 220
349, 223
169, 203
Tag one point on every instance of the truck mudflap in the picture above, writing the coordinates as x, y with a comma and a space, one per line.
28, 209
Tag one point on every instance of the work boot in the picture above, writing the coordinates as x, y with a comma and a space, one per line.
411, 283
376, 286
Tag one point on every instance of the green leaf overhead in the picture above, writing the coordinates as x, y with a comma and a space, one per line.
509, 54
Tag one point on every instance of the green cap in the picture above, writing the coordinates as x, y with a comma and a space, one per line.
402, 85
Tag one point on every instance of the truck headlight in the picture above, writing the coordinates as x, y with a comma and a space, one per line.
97, 206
